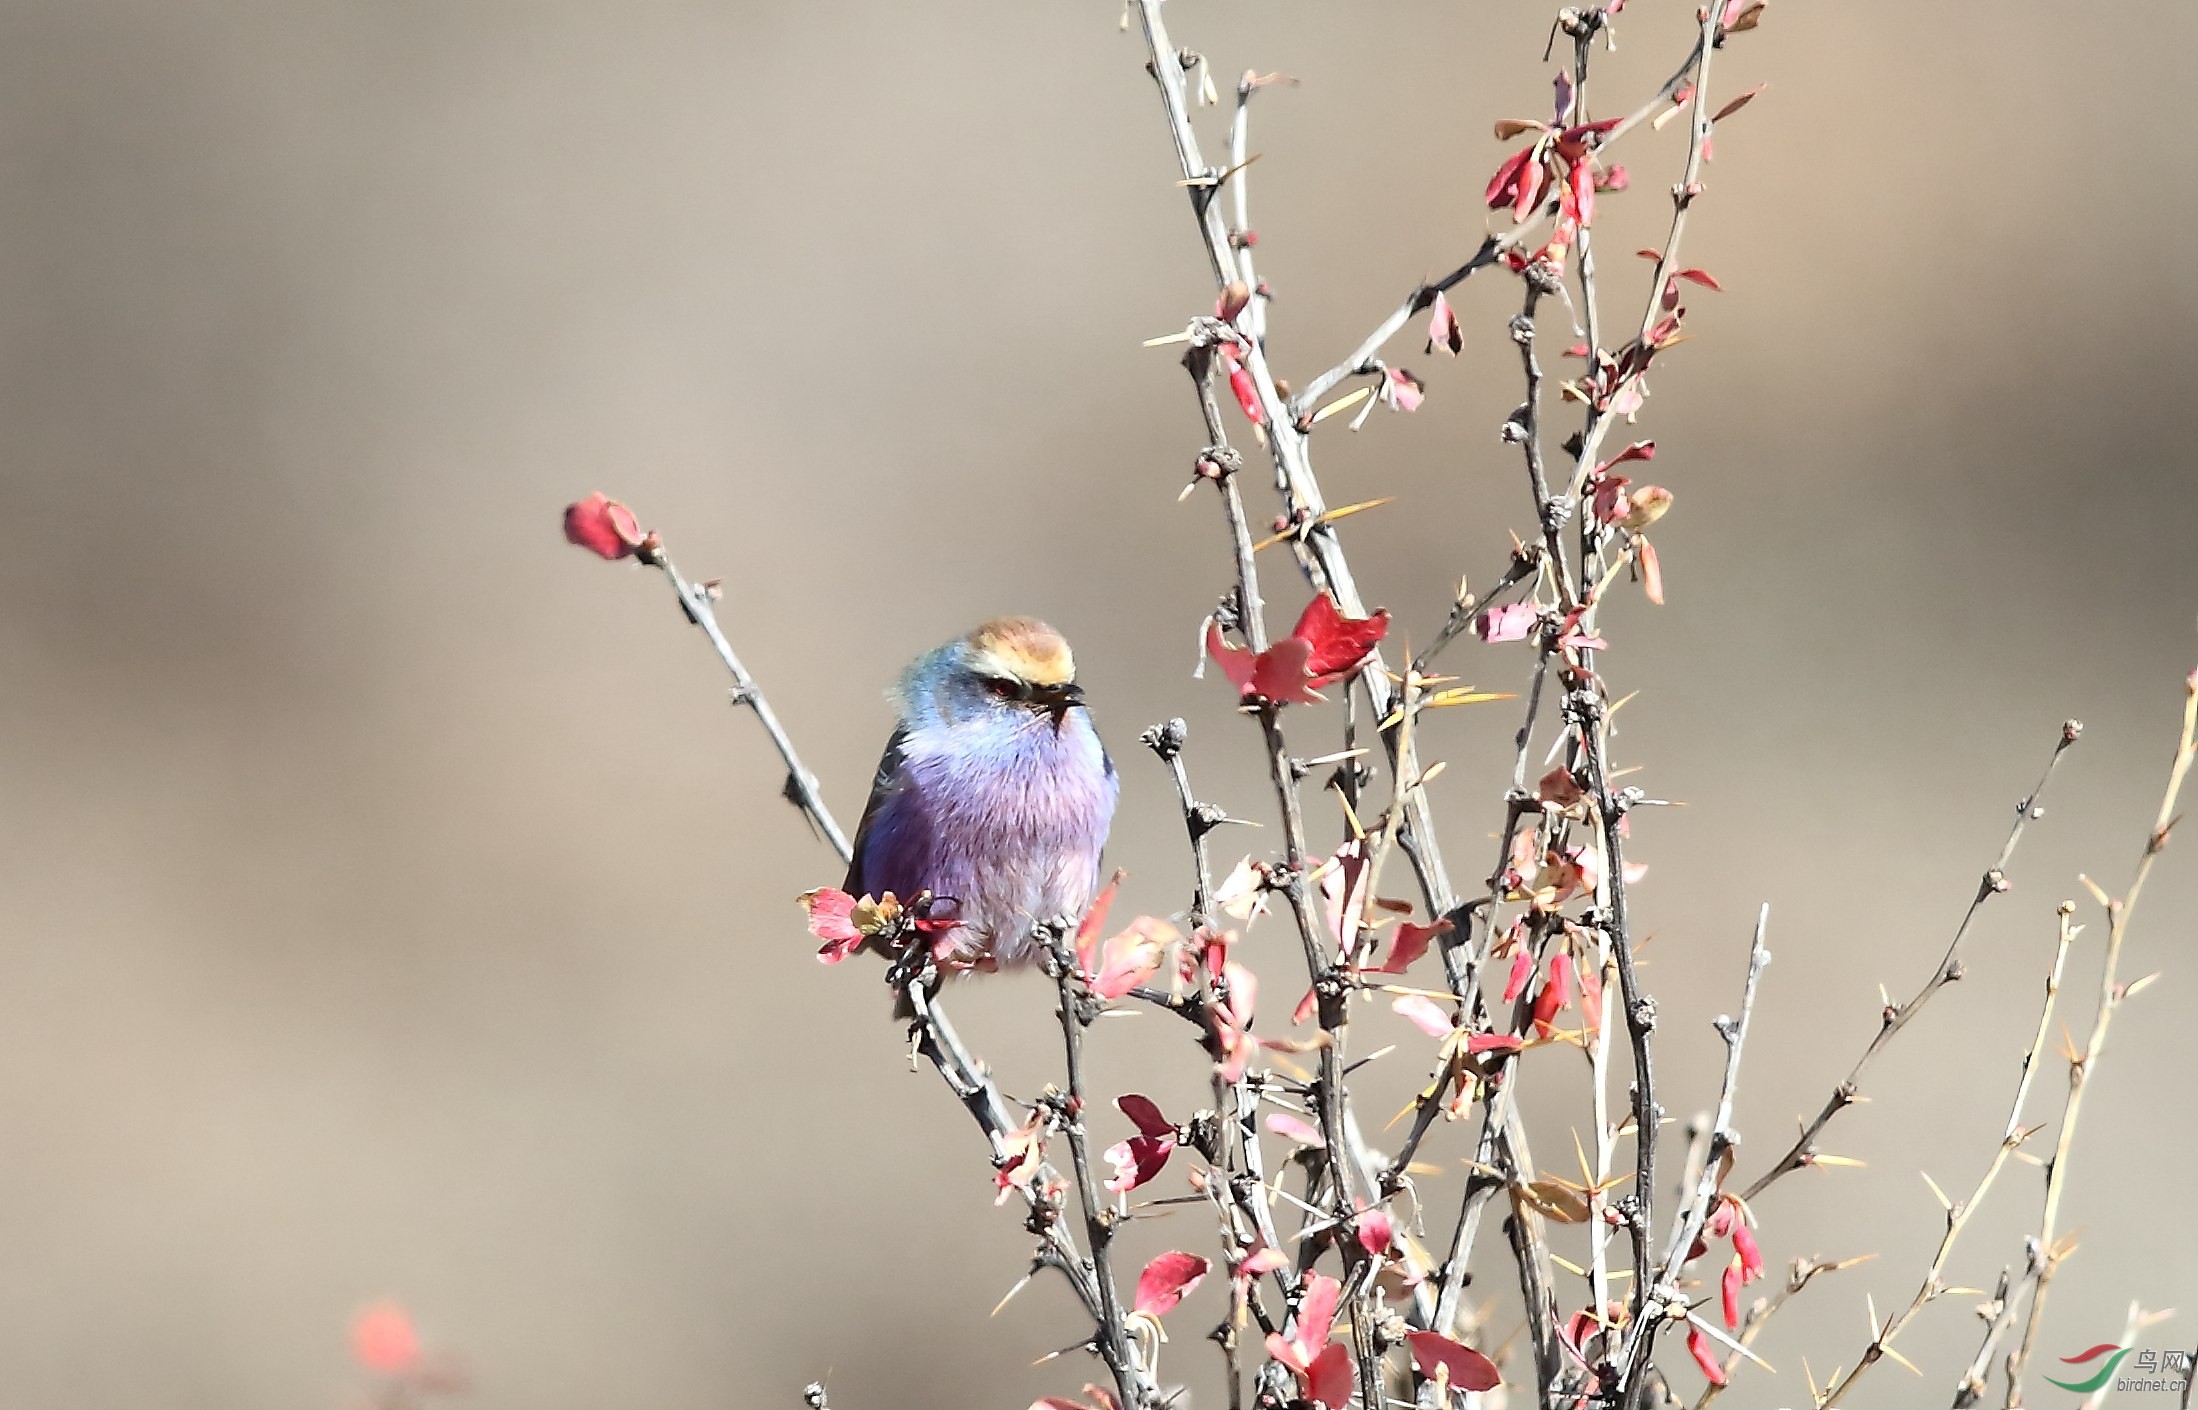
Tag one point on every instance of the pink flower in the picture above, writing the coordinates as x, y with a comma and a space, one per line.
603, 527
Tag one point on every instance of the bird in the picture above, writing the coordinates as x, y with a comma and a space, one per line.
994, 794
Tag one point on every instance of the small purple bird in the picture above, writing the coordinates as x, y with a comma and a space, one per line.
994, 792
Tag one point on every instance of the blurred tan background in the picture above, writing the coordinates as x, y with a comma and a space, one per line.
393, 907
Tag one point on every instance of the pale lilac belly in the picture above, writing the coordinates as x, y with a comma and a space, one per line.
1015, 842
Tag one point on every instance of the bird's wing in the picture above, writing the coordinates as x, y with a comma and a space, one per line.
887, 781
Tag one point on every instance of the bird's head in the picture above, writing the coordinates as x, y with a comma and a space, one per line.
1011, 667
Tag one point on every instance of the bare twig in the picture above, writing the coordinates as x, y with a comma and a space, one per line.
801, 785
1492, 248
2051, 1249
1804, 1272
1998, 1314
1665, 1301
1959, 1212
1896, 1017
1075, 1011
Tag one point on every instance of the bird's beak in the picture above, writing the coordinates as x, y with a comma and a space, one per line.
1057, 700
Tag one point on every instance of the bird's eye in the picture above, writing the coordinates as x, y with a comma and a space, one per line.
1001, 687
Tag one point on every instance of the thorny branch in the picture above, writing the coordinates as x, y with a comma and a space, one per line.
937, 1040
1575, 810
2049, 1249
801, 785
1897, 1016
1959, 1212
1665, 1301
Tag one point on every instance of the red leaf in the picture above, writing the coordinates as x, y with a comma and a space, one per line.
1316, 1313
1737, 104
1513, 623
1337, 644
1403, 390
1522, 969
1558, 787
1409, 943
1424, 1013
1442, 328
603, 527
1532, 181
1751, 1255
1652, 572
1608, 503
1377, 1232
1546, 1005
1648, 504
1580, 191
1504, 185
1701, 277
1165, 1280
1132, 957
1095, 917
1698, 1346
1144, 1114
1729, 1292
1494, 1043
1283, 673
1295, 1128
384, 1341
1137, 1160
1639, 450
831, 919
1469, 1370
1330, 1380
1560, 977
1247, 396
1236, 662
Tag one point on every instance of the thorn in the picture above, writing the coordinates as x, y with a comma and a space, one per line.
1944, 1202
1020, 1284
